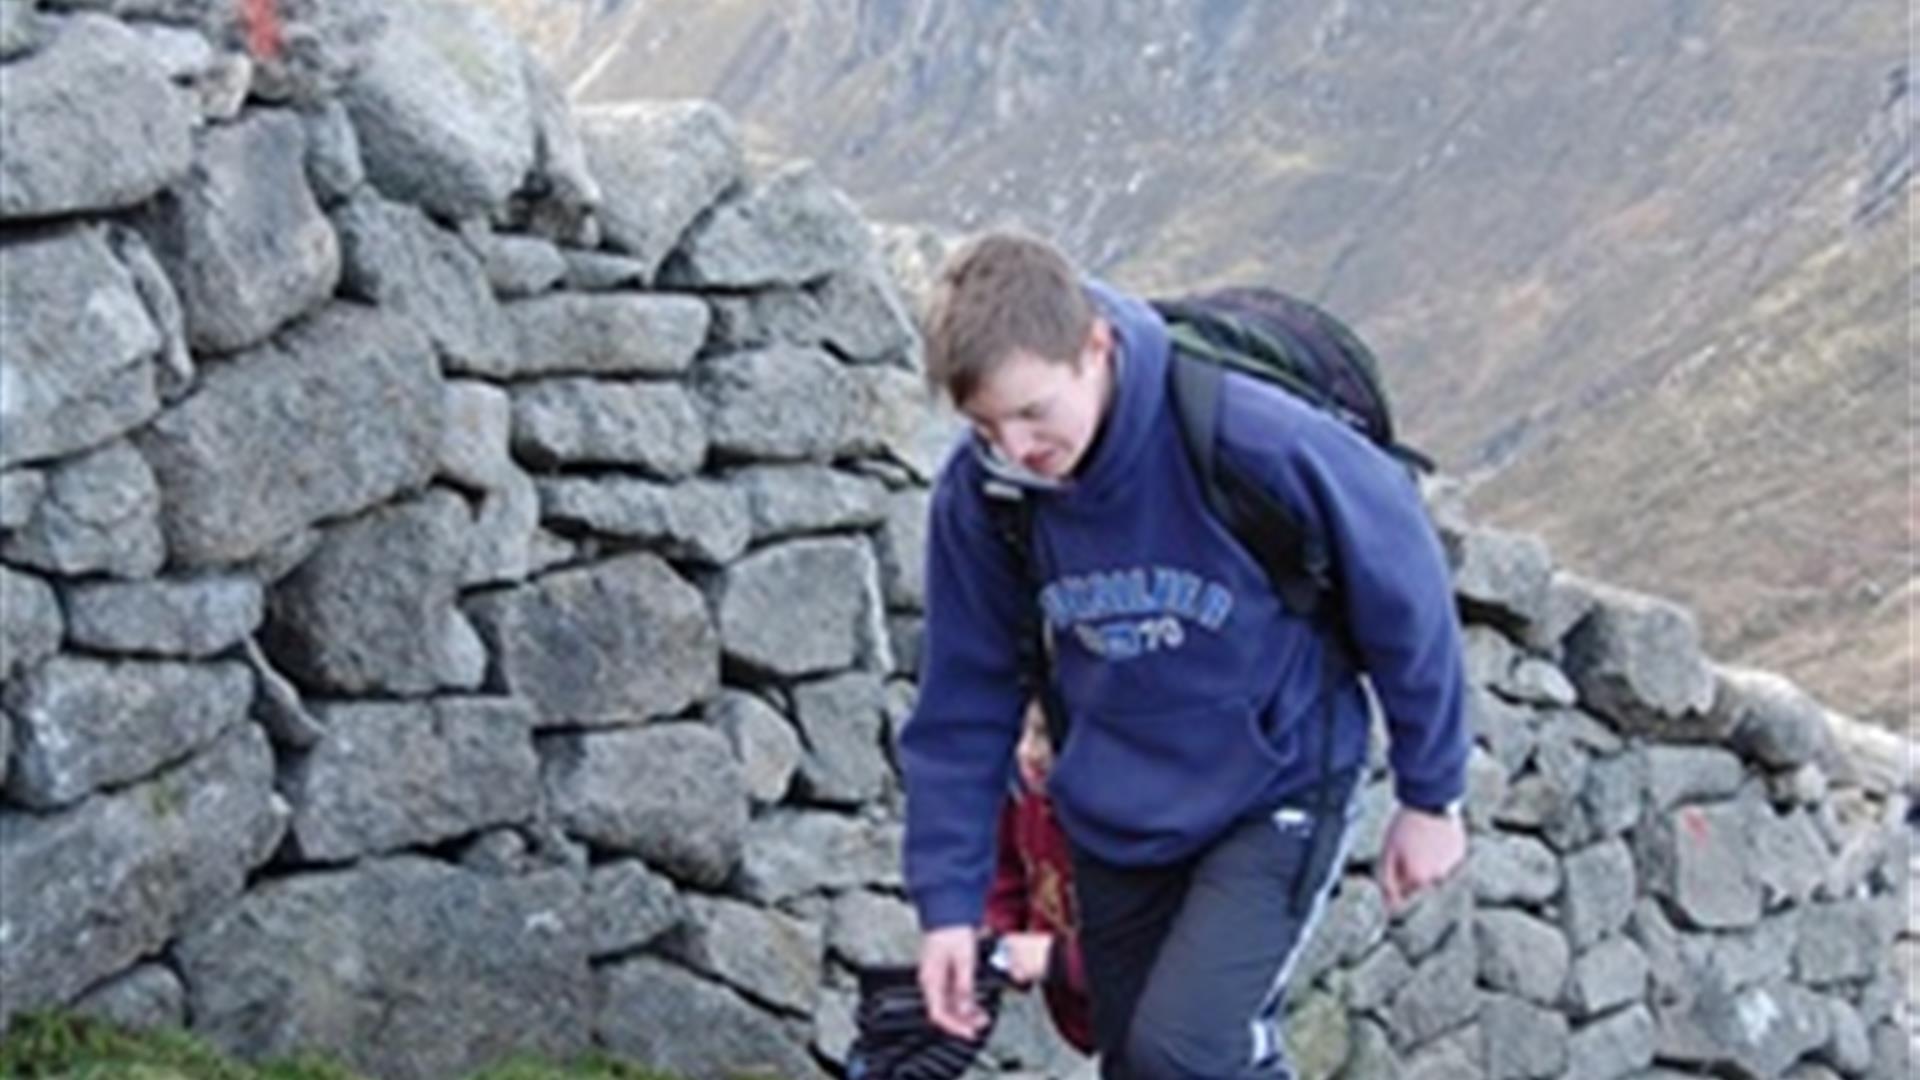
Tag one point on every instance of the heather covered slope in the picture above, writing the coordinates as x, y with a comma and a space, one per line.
1538, 212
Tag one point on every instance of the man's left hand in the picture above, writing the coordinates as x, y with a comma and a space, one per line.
1421, 850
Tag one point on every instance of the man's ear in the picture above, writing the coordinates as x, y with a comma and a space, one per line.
1100, 342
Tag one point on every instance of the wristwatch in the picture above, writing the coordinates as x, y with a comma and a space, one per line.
1453, 809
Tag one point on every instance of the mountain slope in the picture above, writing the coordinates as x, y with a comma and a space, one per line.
1540, 214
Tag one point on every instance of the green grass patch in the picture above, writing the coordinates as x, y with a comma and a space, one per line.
59, 1046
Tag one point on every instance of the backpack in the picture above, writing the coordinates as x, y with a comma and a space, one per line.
1279, 339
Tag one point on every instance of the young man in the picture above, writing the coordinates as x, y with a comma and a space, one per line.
1214, 739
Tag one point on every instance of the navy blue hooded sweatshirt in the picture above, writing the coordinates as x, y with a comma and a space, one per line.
1194, 697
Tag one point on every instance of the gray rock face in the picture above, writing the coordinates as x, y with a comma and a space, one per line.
900, 420
749, 397
1755, 1032
786, 500
677, 1021
659, 165
176, 367
769, 956
1502, 576
1613, 1046
630, 906
1606, 976
1569, 599
1373, 982
91, 124
149, 996
1522, 1039
473, 447
672, 794
1601, 886
867, 929
1840, 942
610, 334
1614, 793
92, 889
334, 168
1637, 661
1505, 729
372, 609
866, 320
472, 968
82, 724
100, 515
1513, 868
441, 110
902, 547
190, 617
841, 720
597, 271
396, 257
78, 336
755, 320
371, 404
520, 266
243, 238
790, 230
1790, 858
22, 30
1521, 955
800, 608
1677, 774
856, 315
701, 521
1772, 721
30, 623
1441, 996
1355, 922
654, 427
20, 492
325, 43
393, 775
614, 643
793, 853
767, 745
1701, 859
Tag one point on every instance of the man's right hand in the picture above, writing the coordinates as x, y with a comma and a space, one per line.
947, 957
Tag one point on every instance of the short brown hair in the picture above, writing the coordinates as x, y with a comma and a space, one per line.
1004, 291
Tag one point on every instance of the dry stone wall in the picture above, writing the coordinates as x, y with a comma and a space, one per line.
460, 575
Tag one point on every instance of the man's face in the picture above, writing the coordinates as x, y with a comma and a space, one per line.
1042, 414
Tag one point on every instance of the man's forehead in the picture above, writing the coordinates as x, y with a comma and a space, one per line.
1019, 381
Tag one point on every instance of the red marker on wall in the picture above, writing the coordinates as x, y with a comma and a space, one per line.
261, 20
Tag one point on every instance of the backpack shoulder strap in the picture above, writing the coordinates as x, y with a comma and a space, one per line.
1010, 511
1294, 559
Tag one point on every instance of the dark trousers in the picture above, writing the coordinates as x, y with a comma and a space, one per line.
1188, 963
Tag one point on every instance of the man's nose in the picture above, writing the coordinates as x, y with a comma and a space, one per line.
1016, 442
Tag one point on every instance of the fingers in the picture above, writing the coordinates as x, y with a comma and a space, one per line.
946, 981
1390, 879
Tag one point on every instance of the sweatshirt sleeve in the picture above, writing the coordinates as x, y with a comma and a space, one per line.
1396, 592
956, 751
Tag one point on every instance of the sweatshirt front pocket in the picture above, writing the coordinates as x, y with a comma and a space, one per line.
1149, 787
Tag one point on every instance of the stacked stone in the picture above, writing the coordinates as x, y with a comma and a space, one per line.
459, 578
1672, 872
458, 557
